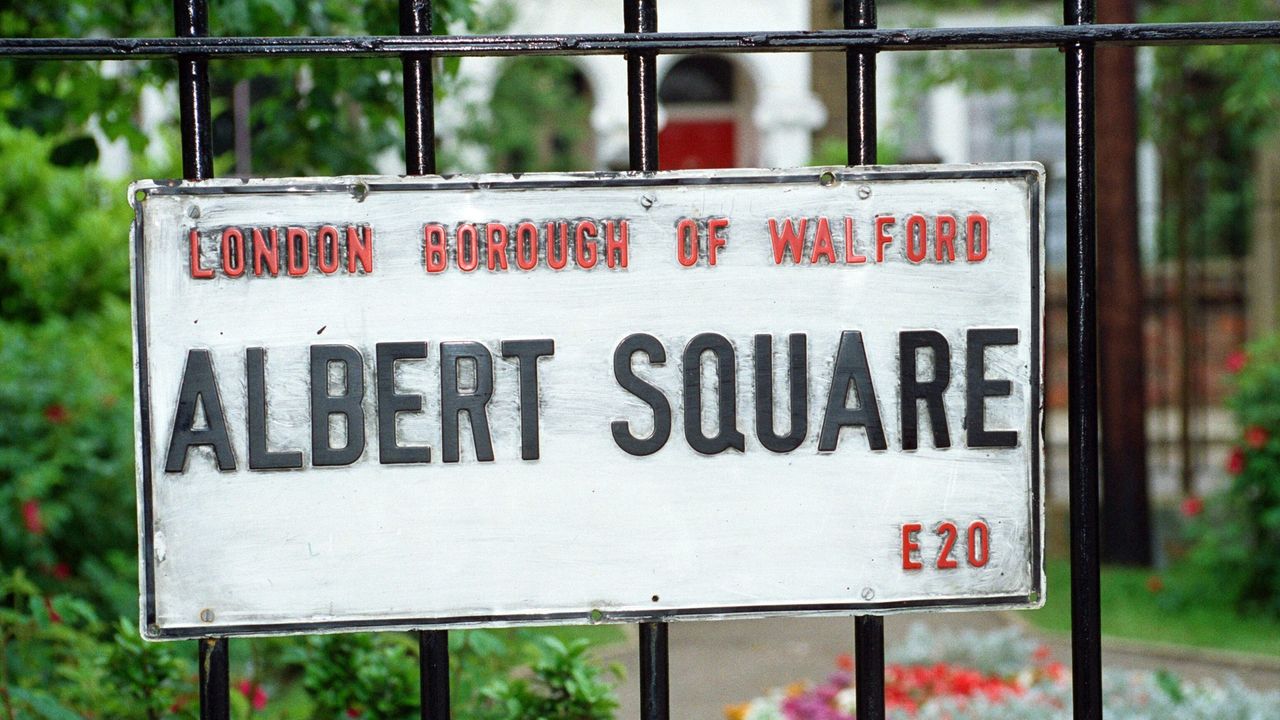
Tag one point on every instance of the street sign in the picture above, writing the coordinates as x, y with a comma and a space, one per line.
383, 402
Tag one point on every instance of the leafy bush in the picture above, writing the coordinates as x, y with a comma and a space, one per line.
1238, 540
359, 676
66, 457
565, 686
63, 662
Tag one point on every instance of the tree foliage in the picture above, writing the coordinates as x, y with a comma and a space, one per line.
539, 119
1206, 109
309, 116
1209, 108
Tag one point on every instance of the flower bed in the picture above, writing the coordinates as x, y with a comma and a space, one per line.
994, 676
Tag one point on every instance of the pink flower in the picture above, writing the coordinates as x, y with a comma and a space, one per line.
31, 517
1236, 361
1192, 506
1255, 436
254, 693
1235, 461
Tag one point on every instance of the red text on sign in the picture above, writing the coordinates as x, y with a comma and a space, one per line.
498, 247
263, 251
976, 552
916, 237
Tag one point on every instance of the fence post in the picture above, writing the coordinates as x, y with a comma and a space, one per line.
860, 79
420, 159
191, 19
642, 123
1082, 372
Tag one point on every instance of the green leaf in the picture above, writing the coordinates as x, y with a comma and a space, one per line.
1170, 684
43, 704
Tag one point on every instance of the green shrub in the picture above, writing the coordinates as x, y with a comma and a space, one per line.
565, 686
66, 453
359, 676
1239, 536
64, 662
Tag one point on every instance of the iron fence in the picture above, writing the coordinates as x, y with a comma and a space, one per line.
641, 43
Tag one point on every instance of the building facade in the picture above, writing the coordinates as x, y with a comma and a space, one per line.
744, 110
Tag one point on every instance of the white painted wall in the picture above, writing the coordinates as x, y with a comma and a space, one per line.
786, 110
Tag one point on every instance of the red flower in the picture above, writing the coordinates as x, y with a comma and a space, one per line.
353, 713
1255, 436
1236, 361
1192, 506
254, 693
1042, 653
54, 617
1235, 461
56, 414
1155, 583
31, 517
844, 661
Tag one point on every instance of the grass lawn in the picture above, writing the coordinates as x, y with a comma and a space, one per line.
1132, 610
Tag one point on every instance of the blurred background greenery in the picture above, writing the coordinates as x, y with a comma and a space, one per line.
69, 644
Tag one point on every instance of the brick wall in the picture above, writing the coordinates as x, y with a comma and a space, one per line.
1217, 329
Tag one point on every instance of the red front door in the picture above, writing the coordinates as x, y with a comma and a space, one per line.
696, 144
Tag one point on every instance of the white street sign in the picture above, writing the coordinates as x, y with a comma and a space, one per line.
382, 402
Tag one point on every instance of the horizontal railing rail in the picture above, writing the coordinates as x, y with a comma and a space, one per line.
884, 39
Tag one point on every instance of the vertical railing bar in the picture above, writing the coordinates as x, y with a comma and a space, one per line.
642, 125
642, 87
191, 19
868, 644
655, 688
419, 93
860, 78
420, 159
868, 667
1082, 375
433, 670
215, 679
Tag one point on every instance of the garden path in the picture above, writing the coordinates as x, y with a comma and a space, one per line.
714, 664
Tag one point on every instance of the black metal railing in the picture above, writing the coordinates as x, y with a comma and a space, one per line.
640, 43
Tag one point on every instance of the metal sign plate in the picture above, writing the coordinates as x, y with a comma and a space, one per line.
380, 402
